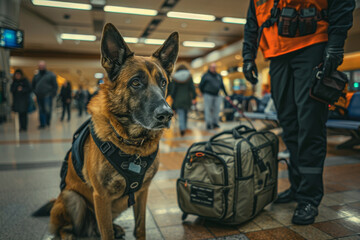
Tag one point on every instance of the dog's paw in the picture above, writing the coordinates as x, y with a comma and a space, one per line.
68, 236
119, 232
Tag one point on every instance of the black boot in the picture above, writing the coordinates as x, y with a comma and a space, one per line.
304, 214
285, 197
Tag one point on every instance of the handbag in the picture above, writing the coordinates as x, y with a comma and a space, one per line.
327, 89
31, 106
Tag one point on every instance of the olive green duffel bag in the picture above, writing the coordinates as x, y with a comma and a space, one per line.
231, 177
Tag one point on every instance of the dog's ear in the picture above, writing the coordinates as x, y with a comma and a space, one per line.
114, 50
168, 52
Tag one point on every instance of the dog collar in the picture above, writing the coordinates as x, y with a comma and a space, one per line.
132, 142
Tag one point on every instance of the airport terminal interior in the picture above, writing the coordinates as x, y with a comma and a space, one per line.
65, 37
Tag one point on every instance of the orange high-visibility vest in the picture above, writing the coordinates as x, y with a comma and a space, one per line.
271, 44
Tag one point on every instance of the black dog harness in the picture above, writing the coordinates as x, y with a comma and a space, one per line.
131, 167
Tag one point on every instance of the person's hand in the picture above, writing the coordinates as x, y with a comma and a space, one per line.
193, 102
333, 57
19, 88
228, 98
250, 71
68, 100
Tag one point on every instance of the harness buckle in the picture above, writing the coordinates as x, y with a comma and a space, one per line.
105, 147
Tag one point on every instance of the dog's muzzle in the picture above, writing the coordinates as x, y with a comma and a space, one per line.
163, 114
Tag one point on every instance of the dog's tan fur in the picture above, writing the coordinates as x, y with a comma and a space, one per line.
88, 208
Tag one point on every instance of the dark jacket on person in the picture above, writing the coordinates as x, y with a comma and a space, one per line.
211, 83
340, 15
65, 93
20, 98
182, 90
44, 84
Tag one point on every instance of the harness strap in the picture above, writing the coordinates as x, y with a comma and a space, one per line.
131, 167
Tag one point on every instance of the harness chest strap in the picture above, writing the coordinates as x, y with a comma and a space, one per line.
131, 167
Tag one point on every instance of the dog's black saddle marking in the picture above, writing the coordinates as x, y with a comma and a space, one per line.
131, 167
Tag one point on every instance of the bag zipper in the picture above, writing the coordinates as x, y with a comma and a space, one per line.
226, 180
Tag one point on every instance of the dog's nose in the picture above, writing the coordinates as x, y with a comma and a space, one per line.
163, 113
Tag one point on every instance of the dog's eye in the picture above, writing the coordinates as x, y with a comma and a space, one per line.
136, 83
163, 83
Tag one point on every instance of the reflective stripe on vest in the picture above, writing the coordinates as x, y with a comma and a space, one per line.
271, 44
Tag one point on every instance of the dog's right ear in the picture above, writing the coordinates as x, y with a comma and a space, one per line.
114, 51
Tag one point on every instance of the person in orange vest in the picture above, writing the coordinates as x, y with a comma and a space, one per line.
297, 36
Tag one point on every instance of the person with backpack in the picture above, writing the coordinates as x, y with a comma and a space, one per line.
45, 88
21, 90
182, 91
298, 36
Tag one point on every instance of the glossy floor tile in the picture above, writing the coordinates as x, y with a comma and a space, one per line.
29, 176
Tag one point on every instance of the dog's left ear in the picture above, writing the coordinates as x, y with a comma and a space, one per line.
168, 52
114, 50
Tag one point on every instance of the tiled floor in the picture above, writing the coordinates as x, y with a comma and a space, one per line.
29, 177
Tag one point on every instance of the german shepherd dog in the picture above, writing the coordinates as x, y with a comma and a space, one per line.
131, 104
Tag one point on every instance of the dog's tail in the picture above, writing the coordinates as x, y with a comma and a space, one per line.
44, 211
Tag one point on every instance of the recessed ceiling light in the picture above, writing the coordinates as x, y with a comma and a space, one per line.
131, 40
198, 44
128, 10
239, 69
98, 75
238, 57
154, 41
60, 4
234, 20
80, 37
224, 73
192, 16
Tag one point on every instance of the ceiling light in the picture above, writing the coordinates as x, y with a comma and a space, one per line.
224, 73
198, 44
233, 20
98, 75
128, 10
192, 16
154, 41
131, 40
239, 69
80, 37
60, 4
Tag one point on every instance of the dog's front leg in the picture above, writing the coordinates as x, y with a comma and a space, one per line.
103, 216
140, 214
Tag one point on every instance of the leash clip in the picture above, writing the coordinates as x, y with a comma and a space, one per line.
319, 74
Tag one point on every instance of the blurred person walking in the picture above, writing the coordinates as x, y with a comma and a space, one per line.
182, 91
65, 96
81, 100
297, 36
21, 90
45, 88
210, 85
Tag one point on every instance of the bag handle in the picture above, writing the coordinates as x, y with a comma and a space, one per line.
230, 132
242, 129
235, 132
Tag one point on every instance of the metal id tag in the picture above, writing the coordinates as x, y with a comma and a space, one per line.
134, 167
